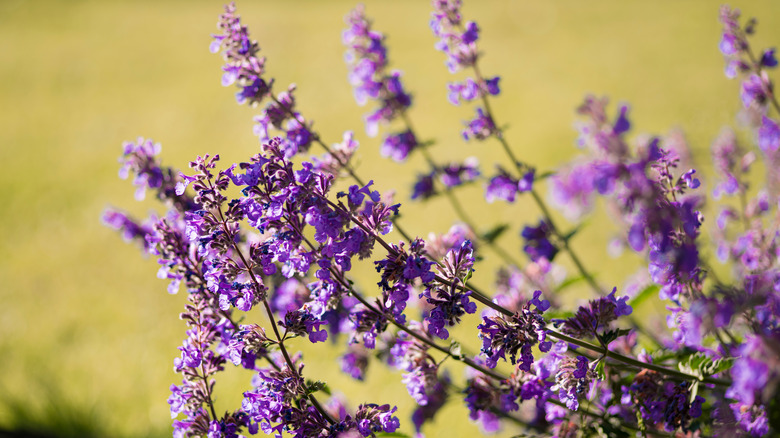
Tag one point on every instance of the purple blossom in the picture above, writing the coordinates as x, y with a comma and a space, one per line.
754, 91
573, 379
470, 90
501, 186
242, 66
368, 58
398, 146
437, 397
457, 174
537, 241
598, 315
573, 189
503, 335
481, 127
456, 40
355, 362
768, 135
423, 187
768, 58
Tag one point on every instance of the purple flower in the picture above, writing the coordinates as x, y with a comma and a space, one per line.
573, 379
768, 135
436, 398
501, 186
423, 187
367, 55
354, 363
753, 91
470, 90
242, 66
597, 316
768, 58
509, 335
537, 243
398, 146
573, 189
480, 128
459, 46
457, 174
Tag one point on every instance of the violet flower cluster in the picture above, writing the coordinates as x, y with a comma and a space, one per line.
280, 233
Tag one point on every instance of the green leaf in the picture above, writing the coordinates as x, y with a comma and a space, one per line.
642, 296
455, 350
611, 335
315, 386
543, 175
600, 370
571, 233
468, 276
568, 282
494, 233
718, 366
392, 434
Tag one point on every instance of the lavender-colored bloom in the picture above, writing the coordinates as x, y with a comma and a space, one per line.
768, 135
371, 418
754, 91
509, 335
588, 321
354, 363
768, 58
573, 378
537, 241
481, 396
753, 419
470, 90
449, 302
242, 66
457, 174
573, 190
423, 187
481, 127
456, 40
400, 266
436, 398
368, 56
501, 186
398, 146
131, 230
302, 323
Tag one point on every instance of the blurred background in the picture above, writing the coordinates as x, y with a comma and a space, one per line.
88, 333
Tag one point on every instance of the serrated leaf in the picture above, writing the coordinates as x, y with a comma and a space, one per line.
315, 386
642, 296
718, 366
611, 335
494, 233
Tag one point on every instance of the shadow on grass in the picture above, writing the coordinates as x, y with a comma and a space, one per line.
47, 412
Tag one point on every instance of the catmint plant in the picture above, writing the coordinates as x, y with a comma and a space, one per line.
265, 249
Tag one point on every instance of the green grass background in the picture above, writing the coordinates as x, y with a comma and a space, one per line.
88, 334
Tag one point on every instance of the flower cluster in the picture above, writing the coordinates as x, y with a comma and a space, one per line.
281, 232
